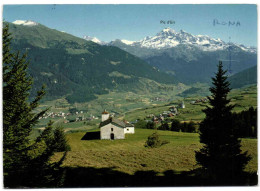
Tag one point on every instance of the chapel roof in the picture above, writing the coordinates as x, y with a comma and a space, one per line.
105, 112
115, 121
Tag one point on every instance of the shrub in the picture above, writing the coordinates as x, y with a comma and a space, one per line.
164, 126
184, 127
176, 125
191, 127
154, 141
150, 125
188, 127
141, 124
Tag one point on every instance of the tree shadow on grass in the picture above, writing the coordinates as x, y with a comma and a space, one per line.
80, 177
91, 136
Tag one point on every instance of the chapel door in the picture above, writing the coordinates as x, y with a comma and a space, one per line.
112, 136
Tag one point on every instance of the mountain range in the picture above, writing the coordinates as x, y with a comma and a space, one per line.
190, 58
169, 38
80, 70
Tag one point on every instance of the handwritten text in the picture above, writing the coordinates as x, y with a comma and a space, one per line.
226, 23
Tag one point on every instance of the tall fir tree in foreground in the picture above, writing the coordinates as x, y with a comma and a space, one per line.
25, 162
18, 115
221, 157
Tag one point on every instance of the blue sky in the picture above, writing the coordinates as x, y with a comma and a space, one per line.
134, 22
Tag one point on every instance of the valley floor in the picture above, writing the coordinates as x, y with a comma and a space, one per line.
139, 107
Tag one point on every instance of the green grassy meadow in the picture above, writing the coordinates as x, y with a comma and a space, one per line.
130, 155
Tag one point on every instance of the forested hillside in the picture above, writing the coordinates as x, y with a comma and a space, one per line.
79, 69
245, 77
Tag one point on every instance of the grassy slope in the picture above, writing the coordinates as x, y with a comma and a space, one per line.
130, 155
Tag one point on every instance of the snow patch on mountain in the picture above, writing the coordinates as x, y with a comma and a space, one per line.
128, 42
93, 39
25, 22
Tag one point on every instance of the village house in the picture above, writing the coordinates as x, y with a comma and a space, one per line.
173, 110
112, 128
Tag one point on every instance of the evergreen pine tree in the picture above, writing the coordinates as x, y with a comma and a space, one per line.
40, 153
18, 113
60, 140
221, 157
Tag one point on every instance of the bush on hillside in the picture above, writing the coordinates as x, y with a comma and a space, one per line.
150, 125
188, 127
164, 126
176, 125
141, 124
154, 141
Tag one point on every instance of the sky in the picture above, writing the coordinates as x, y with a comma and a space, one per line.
135, 22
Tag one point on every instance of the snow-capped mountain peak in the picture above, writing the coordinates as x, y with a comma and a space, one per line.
169, 38
25, 22
168, 30
93, 39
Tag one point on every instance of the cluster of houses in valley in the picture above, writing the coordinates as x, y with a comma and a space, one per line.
202, 100
80, 117
54, 115
173, 111
157, 99
69, 117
